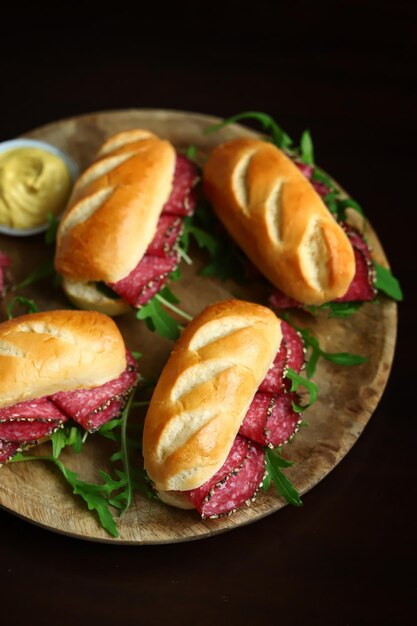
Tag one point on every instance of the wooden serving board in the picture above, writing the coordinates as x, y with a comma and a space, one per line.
347, 395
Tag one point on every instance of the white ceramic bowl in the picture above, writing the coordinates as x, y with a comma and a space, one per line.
34, 143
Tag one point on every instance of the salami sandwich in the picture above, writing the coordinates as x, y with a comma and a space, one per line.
220, 400
56, 366
278, 217
116, 242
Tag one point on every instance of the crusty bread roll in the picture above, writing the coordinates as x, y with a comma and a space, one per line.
204, 393
114, 209
42, 353
87, 296
275, 215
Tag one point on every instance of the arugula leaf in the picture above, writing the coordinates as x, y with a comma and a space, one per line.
167, 294
344, 358
30, 305
336, 309
225, 262
273, 464
204, 239
387, 283
45, 269
321, 177
191, 152
339, 358
306, 148
279, 137
157, 319
127, 492
297, 381
94, 495
66, 436
50, 234
349, 203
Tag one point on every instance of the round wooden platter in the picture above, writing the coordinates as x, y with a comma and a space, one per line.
347, 395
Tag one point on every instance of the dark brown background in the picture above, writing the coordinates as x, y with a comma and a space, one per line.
346, 71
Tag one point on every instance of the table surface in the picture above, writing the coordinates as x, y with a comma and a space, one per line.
347, 557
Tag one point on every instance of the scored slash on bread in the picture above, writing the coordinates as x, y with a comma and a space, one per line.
276, 216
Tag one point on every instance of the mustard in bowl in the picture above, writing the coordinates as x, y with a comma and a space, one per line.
36, 179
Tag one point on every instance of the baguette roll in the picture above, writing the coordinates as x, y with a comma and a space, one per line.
87, 296
278, 219
204, 393
118, 197
43, 353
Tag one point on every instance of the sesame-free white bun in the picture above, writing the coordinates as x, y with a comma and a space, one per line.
43, 353
204, 393
276, 216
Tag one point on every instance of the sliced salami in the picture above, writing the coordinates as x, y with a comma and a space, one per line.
274, 379
183, 199
270, 420
362, 287
24, 431
145, 280
93, 407
295, 347
8, 450
236, 481
308, 170
5, 264
290, 354
167, 232
278, 300
29, 421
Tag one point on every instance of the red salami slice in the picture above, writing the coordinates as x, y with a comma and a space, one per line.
183, 199
295, 347
308, 170
362, 288
270, 419
274, 379
8, 450
291, 354
5, 264
145, 280
167, 232
235, 483
279, 300
29, 421
93, 407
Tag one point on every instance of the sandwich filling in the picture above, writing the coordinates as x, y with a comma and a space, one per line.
269, 422
161, 257
23, 424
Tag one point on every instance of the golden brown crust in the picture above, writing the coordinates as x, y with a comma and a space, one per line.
205, 390
114, 209
275, 215
42, 353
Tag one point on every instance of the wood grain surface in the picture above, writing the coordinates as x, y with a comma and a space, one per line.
347, 395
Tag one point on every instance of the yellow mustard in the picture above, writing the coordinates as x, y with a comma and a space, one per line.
33, 183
